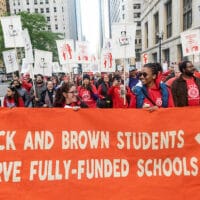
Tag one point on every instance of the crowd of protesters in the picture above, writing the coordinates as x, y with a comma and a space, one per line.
149, 88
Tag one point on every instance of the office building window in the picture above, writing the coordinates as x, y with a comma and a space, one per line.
156, 27
35, 2
138, 32
47, 10
47, 1
146, 35
138, 23
55, 9
41, 1
48, 19
155, 57
138, 54
136, 15
42, 10
187, 14
167, 55
135, 41
168, 7
180, 52
136, 6
27, 2
36, 10
49, 27
56, 26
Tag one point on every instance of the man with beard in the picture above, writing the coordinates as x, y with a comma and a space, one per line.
186, 88
36, 92
22, 92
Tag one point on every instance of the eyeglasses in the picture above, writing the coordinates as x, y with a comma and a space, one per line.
144, 74
73, 92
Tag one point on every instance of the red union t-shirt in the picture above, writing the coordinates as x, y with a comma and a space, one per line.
193, 93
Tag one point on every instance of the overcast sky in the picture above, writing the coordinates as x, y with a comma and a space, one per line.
90, 16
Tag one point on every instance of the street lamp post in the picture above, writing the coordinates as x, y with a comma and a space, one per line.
160, 38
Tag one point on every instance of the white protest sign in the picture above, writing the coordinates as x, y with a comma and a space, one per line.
123, 36
26, 67
165, 67
190, 42
57, 68
27, 46
12, 31
43, 62
65, 51
82, 52
107, 61
10, 61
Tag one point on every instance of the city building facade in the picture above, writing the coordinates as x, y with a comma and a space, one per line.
162, 23
3, 9
128, 11
60, 14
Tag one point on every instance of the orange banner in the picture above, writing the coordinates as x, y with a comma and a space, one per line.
100, 154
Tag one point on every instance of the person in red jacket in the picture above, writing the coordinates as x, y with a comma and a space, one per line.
117, 93
88, 92
27, 82
153, 93
12, 98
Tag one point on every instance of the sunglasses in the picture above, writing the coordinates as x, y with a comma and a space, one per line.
144, 74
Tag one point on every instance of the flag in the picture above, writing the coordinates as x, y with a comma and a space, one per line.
12, 31
27, 46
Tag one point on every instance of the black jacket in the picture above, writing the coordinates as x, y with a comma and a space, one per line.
179, 91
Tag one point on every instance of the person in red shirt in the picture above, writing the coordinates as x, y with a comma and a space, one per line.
12, 98
27, 82
121, 96
88, 92
186, 88
153, 94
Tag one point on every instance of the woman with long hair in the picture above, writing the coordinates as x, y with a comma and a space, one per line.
67, 97
104, 101
12, 98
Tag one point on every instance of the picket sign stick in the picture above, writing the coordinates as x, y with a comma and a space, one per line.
33, 78
193, 58
124, 86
